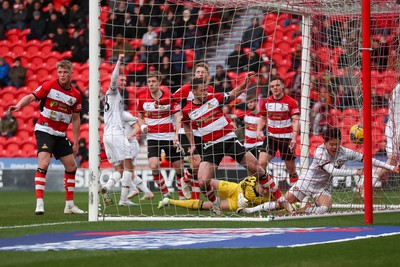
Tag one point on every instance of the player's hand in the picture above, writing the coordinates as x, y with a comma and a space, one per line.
292, 144
360, 172
75, 148
175, 141
242, 201
144, 128
121, 57
13, 108
233, 126
248, 76
397, 169
260, 136
191, 151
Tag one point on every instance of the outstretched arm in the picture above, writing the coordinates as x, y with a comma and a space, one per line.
26, 100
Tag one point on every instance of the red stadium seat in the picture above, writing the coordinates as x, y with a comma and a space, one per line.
13, 35
37, 59
33, 47
4, 47
46, 46
189, 58
18, 48
66, 55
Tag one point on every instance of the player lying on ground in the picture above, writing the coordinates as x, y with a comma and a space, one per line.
328, 161
234, 196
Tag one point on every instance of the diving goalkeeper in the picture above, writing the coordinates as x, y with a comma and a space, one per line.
234, 196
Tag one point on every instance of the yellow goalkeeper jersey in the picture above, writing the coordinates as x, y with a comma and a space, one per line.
248, 188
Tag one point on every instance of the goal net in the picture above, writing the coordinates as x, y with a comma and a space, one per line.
313, 46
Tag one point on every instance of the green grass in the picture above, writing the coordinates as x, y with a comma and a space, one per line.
17, 208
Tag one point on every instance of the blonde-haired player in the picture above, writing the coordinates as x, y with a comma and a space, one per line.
118, 148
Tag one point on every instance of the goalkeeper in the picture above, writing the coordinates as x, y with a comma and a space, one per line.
234, 196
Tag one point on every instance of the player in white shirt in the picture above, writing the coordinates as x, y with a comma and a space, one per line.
392, 133
131, 128
117, 146
328, 161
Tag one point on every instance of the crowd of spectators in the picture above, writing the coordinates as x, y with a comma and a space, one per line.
156, 35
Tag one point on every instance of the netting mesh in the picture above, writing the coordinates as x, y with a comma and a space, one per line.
235, 37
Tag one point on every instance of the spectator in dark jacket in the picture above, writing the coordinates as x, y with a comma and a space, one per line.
61, 40
17, 74
253, 36
37, 26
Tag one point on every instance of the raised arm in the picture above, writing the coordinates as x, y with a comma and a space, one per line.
115, 73
240, 89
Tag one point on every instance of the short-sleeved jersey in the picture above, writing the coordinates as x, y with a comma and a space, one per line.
316, 177
113, 109
56, 107
183, 95
159, 115
209, 119
250, 133
279, 115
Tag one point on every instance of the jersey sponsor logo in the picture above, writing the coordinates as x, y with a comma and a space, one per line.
193, 238
53, 103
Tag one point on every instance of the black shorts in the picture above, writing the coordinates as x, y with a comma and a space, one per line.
186, 144
231, 147
274, 144
56, 145
171, 153
256, 150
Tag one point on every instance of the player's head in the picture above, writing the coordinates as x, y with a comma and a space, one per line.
201, 70
199, 88
121, 81
332, 137
64, 72
276, 86
154, 81
251, 102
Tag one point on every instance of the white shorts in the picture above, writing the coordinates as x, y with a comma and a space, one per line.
117, 148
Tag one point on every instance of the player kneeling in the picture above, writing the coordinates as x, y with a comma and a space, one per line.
234, 197
328, 161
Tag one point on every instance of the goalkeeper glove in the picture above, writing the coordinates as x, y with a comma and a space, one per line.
242, 201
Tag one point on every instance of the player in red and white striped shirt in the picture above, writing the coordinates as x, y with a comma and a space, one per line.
162, 121
283, 127
250, 119
205, 114
60, 104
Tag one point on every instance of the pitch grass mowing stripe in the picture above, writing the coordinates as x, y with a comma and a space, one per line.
36, 225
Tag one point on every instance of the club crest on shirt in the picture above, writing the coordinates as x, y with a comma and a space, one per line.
70, 102
210, 105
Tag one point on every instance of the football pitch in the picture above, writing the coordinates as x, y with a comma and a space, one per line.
17, 219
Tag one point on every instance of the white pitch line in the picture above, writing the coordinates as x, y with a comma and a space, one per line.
38, 225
